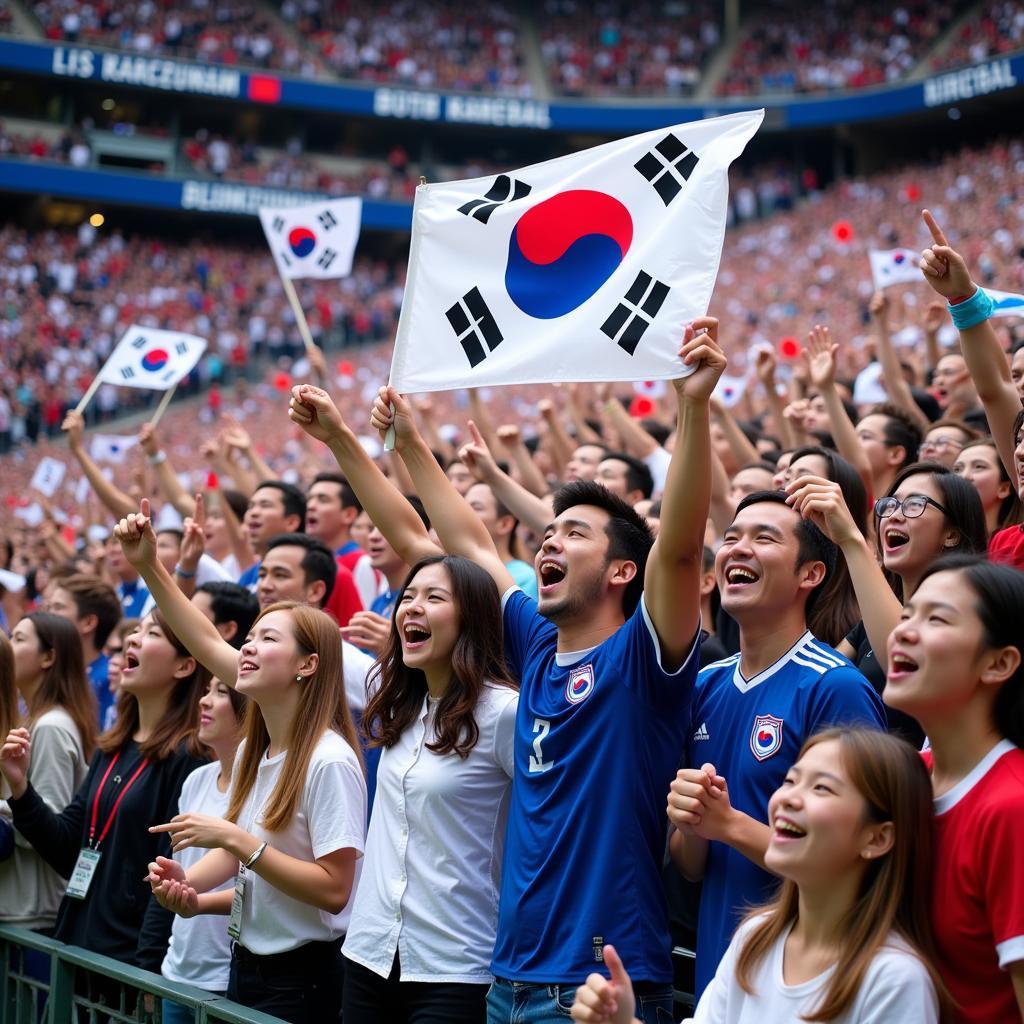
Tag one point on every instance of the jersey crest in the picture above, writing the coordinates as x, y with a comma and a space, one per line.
766, 736
580, 684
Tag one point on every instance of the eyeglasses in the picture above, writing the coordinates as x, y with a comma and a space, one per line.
941, 442
912, 506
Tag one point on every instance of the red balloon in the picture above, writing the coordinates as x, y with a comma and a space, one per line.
345, 368
282, 381
789, 348
913, 193
842, 231
640, 407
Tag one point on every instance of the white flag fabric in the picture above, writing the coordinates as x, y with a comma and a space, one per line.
314, 240
582, 268
111, 447
1007, 303
653, 389
82, 490
48, 476
31, 515
152, 359
894, 266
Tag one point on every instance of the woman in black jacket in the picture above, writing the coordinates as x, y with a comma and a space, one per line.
100, 841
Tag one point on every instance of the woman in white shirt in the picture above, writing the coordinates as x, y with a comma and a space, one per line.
847, 939
423, 925
294, 827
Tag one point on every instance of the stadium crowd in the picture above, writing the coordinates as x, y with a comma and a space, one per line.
608, 48
321, 727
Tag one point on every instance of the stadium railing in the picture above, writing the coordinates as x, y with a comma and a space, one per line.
137, 994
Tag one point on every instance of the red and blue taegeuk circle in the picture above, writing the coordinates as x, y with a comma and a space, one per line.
302, 241
155, 359
563, 249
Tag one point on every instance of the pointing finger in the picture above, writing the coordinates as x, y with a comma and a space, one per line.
933, 227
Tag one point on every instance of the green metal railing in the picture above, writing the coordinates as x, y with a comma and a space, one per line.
130, 995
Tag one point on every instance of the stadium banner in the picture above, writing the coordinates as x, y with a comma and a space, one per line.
206, 197
118, 68
581, 268
315, 240
152, 359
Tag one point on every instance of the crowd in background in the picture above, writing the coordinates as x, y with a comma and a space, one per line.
610, 48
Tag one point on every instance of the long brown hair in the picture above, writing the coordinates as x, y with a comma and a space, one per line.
476, 658
322, 707
895, 892
180, 723
64, 684
8, 691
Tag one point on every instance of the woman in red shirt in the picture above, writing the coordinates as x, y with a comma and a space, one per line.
955, 664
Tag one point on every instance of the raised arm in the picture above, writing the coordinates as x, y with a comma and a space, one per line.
530, 476
820, 357
945, 270
672, 578
895, 383
765, 365
190, 625
314, 410
931, 324
585, 433
822, 502
458, 526
170, 485
634, 438
238, 438
119, 503
560, 444
742, 450
533, 512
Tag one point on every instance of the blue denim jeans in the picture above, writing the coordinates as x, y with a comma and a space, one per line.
519, 1002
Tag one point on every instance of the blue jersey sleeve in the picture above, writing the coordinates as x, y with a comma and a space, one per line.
524, 626
845, 698
638, 652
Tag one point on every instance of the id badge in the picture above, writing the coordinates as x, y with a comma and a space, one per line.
237, 900
82, 875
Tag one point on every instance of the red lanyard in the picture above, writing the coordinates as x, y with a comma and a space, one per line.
117, 803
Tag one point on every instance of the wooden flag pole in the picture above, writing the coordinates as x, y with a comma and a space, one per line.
300, 317
87, 397
162, 407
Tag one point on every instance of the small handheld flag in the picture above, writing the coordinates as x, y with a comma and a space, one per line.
894, 266
48, 476
315, 239
111, 448
152, 359
1006, 303
582, 268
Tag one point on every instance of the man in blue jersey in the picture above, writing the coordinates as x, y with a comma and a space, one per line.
752, 712
607, 659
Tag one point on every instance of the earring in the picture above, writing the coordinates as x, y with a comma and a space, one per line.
298, 678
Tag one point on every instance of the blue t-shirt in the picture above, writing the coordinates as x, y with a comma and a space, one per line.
524, 575
752, 730
599, 735
134, 598
97, 672
250, 578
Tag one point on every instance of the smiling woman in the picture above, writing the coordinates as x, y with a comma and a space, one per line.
444, 712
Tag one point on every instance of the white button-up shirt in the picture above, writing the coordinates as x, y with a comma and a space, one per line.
429, 888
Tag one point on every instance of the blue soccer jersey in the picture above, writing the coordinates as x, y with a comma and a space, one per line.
752, 730
598, 739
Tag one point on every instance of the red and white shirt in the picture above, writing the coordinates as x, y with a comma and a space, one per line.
978, 895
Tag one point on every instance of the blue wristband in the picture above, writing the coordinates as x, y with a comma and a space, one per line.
973, 311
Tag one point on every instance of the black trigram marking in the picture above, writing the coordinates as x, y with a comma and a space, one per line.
667, 167
278, 223
127, 372
181, 348
505, 190
327, 257
633, 315
474, 325
327, 220
140, 342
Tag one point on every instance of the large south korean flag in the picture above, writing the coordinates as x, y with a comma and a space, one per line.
582, 268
